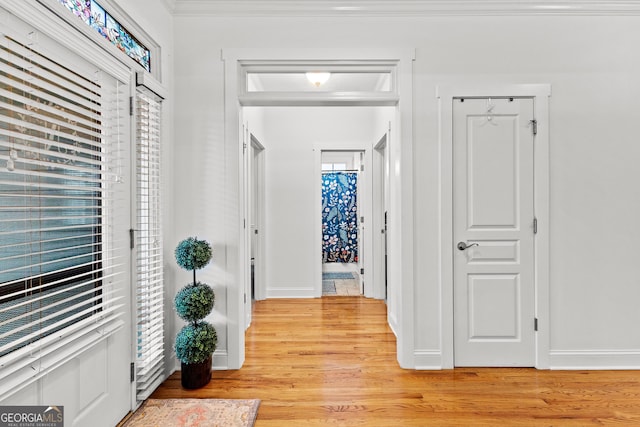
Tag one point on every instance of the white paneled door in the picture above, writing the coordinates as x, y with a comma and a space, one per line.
493, 222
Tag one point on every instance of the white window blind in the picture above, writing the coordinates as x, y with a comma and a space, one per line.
62, 261
149, 295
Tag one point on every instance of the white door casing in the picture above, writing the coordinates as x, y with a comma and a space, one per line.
362, 176
257, 194
380, 178
253, 182
494, 295
447, 95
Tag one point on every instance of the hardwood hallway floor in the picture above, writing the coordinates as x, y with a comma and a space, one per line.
331, 361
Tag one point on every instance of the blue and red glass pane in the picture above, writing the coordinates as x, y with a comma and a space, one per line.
100, 20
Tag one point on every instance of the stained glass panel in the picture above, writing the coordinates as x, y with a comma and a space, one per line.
106, 25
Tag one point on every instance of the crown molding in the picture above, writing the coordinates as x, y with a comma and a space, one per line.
170, 5
388, 8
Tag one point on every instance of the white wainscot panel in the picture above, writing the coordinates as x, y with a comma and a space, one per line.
29, 395
78, 383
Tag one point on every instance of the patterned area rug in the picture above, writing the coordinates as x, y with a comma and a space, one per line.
328, 287
195, 413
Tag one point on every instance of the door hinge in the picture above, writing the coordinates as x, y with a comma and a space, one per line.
535, 225
361, 168
535, 324
133, 372
132, 243
244, 148
245, 298
534, 126
131, 105
362, 271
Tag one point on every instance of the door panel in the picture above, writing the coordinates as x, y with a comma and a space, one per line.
493, 306
491, 172
493, 217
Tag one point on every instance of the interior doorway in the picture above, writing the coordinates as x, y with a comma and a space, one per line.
344, 199
254, 164
253, 79
380, 178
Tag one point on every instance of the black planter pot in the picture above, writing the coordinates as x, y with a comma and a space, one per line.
196, 375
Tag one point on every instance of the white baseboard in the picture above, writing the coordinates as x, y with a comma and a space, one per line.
427, 360
393, 324
291, 293
559, 359
220, 360
594, 359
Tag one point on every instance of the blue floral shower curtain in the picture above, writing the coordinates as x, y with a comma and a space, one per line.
339, 217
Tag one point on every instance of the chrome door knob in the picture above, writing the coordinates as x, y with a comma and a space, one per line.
463, 246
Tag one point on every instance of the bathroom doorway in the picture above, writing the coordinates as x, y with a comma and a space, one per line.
343, 187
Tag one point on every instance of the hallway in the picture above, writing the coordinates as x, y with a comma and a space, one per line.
331, 361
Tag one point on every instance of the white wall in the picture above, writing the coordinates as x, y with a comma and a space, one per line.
590, 64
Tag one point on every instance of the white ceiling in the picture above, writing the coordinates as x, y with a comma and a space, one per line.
401, 7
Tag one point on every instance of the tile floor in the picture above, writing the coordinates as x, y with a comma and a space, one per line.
345, 287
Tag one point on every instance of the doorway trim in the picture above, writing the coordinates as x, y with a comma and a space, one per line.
258, 194
401, 157
380, 197
254, 203
540, 94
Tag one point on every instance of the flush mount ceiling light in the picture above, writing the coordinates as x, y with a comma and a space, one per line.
318, 79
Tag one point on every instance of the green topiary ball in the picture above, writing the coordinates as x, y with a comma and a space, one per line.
193, 254
194, 301
196, 342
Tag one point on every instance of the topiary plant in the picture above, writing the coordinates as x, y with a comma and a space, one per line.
196, 342
193, 254
194, 301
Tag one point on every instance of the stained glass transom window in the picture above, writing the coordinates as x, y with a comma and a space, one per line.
99, 19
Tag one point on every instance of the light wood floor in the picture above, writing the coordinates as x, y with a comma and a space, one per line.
331, 361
